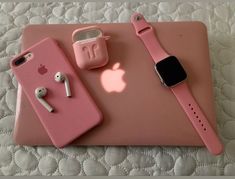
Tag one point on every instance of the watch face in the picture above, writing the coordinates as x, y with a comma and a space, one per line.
170, 71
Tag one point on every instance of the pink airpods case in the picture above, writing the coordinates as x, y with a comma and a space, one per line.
90, 49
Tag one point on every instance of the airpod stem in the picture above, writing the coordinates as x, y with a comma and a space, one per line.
67, 87
45, 104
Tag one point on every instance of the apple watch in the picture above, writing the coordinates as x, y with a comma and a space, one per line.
173, 76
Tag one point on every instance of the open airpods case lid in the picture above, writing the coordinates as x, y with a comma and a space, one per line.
90, 47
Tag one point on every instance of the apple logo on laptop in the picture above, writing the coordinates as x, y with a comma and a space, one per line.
42, 69
112, 79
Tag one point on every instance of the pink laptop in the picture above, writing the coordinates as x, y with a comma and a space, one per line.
137, 109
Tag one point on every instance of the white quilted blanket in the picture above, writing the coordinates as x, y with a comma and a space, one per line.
220, 20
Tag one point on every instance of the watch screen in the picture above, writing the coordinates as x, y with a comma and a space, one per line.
171, 71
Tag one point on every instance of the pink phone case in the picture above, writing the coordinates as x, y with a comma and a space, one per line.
72, 116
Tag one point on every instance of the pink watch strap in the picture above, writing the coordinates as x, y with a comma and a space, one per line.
197, 118
146, 32
181, 91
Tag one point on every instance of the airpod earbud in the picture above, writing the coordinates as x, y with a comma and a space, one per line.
41, 92
62, 78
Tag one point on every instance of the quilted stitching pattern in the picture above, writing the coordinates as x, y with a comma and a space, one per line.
220, 20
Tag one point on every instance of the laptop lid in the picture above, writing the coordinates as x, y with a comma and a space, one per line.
143, 112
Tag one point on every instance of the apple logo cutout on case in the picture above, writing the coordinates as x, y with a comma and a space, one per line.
112, 79
42, 69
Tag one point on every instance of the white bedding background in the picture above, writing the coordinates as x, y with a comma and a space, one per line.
220, 19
